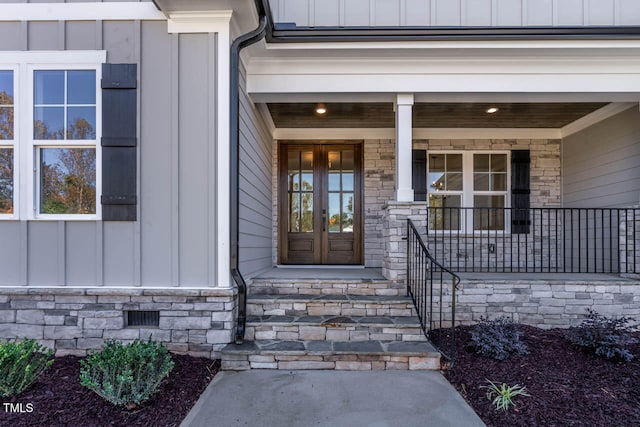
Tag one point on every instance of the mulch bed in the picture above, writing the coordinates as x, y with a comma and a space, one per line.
58, 399
568, 386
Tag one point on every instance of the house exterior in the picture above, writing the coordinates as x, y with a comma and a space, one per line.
508, 131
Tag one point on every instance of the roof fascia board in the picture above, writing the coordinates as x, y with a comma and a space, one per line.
285, 33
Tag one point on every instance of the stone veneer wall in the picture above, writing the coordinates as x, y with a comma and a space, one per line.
546, 303
379, 187
70, 320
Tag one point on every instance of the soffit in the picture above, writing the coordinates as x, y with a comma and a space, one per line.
431, 115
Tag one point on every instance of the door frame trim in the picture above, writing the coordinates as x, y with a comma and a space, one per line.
281, 239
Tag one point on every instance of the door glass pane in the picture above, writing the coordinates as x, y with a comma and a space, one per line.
293, 162
347, 212
334, 160
347, 181
68, 180
488, 213
306, 223
6, 180
300, 189
444, 212
334, 181
347, 160
307, 182
333, 219
294, 212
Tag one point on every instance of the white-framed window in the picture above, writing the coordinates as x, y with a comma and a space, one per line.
468, 190
54, 154
8, 130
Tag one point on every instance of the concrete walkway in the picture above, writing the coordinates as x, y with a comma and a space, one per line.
272, 398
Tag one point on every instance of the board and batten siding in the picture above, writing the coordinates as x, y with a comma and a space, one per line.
463, 13
173, 243
600, 163
255, 187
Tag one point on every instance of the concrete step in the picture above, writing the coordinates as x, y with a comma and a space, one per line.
336, 305
338, 355
276, 286
340, 328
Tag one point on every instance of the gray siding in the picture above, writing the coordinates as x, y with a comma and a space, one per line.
255, 188
174, 241
435, 13
600, 164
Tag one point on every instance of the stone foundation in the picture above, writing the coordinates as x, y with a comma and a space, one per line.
544, 303
69, 320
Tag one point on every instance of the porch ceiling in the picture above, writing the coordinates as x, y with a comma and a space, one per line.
432, 115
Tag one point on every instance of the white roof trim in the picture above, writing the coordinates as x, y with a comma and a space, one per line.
80, 11
595, 117
461, 44
215, 21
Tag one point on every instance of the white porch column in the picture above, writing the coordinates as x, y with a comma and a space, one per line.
404, 137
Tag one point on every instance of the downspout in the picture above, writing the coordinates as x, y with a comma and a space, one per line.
236, 47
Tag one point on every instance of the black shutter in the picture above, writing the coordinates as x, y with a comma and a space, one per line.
119, 142
520, 191
419, 175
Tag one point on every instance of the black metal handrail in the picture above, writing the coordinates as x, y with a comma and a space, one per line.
535, 240
427, 281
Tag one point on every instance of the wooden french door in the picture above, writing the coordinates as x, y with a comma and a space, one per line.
320, 203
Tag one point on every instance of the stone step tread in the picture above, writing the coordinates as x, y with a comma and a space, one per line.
261, 298
329, 320
404, 348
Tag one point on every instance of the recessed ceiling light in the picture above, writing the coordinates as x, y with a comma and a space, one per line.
320, 110
492, 110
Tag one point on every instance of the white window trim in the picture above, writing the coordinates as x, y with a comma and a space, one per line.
26, 170
468, 193
14, 144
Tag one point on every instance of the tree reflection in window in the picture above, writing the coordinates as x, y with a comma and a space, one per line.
6, 141
68, 180
300, 191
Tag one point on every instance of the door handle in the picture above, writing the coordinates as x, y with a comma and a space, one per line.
324, 220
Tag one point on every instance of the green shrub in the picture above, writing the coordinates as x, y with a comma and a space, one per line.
126, 374
21, 363
607, 337
502, 396
497, 338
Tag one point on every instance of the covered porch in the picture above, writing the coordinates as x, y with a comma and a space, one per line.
511, 160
